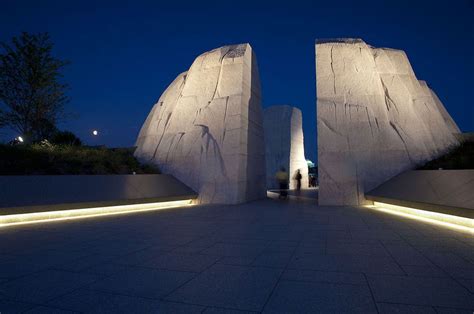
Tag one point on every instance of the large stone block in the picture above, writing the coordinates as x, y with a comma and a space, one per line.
207, 130
284, 145
375, 119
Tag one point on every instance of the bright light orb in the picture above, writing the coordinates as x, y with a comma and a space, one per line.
20, 139
95, 132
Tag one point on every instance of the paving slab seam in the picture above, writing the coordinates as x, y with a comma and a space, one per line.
442, 269
280, 277
371, 293
26, 275
450, 308
33, 305
197, 274
51, 307
78, 288
224, 308
130, 296
432, 306
393, 259
325, 281
345, 271
160, 268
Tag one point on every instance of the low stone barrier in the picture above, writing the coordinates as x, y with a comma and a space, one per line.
444, 191
30, 194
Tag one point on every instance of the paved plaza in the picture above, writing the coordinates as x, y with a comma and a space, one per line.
267, 256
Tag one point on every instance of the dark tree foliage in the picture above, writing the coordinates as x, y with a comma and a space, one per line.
32, 98
66, 138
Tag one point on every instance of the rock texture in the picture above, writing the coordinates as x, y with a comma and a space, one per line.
284, 145
207, 129
375, 119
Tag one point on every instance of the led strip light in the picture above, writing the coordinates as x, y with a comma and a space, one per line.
449, 221
70, 214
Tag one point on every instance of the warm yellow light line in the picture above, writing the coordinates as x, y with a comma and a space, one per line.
448, 221
70, 214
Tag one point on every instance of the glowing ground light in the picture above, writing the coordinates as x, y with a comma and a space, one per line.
95, 132
444, 220
70, 214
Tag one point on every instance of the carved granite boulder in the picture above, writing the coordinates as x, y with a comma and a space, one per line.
375, 119
207, 130
284, 145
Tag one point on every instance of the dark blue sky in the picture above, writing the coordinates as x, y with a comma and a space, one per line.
125, 53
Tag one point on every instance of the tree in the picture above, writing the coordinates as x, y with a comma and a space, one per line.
32, 98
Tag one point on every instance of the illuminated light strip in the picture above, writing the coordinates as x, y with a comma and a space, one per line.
70, 214
449, 221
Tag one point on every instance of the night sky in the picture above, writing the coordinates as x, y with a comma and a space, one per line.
124, 54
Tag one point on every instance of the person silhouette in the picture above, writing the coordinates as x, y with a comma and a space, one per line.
298, 178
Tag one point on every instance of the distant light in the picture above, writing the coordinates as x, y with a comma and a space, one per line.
95, 132
20, 139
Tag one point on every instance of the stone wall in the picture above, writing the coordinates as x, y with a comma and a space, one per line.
207, 130
375, 119
284, 146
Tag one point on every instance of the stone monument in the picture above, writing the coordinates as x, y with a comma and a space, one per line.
207, 129
375, 119
284, 146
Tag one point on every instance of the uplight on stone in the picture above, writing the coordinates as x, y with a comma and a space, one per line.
375, 119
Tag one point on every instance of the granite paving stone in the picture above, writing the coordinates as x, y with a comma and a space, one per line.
443, 292
316, 297
228, 286
9, 306
351, 263
393, 308
44, 285
143, 282
262, 256
445, 310
49, 310
324, 276
215, 310
182, 262
89, 301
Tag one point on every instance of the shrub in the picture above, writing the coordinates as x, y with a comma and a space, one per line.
38, 159
65, 138
461, 157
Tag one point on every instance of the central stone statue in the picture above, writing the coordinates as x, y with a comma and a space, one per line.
207, 128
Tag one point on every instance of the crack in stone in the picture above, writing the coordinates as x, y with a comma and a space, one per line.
392, 124
225, 117
333, 74
388, 100
370, 123
326, 124
162, 134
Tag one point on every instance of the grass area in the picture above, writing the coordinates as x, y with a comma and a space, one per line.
462, 157
64, 159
